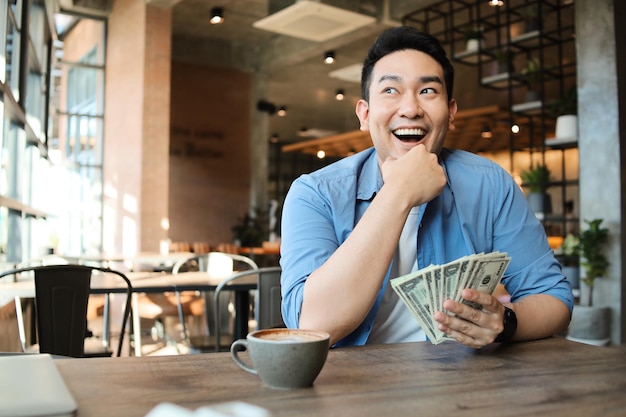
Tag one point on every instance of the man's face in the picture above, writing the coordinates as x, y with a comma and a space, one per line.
408, 104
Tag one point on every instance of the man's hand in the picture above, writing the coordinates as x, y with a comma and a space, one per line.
417, 175
472, 327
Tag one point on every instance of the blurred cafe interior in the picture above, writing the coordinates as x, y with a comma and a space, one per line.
165, 126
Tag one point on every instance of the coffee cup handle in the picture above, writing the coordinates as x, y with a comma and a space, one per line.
239, 346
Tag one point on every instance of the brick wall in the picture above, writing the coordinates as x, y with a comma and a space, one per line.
156, 127
176, 138
136, 127
123, 136
209, 152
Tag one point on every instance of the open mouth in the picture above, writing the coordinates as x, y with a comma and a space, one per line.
409, 135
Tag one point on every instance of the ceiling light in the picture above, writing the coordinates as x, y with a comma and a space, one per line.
486, 133
282, 111
274, 138
217, 15
321, 154
329, 57
515, 128
496, 3
340, 94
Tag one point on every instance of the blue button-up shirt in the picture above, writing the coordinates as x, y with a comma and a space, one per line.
481, 209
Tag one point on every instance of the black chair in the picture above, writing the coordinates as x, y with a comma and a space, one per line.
268, 302
61, 298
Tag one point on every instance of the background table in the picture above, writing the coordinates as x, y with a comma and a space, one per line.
553, 377
152, 283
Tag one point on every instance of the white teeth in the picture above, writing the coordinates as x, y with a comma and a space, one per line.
409, 132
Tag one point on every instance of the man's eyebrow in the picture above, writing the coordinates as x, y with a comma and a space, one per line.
431, 79
423, 80
390, 77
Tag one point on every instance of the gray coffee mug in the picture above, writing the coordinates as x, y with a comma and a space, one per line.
284, 358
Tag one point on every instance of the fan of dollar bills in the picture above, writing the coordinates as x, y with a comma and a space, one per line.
424, 291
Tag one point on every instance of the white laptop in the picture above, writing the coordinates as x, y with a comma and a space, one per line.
30, 385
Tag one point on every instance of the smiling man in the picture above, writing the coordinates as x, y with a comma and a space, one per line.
405, 204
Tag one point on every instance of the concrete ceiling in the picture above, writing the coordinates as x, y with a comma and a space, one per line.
292, 68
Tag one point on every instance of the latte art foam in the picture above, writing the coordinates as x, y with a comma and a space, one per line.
290, 335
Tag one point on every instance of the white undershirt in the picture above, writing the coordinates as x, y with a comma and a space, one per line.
394, 322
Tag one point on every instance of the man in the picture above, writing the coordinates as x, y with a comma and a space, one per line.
408, 203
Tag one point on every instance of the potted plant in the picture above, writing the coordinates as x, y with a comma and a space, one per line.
532, 74
251, 230
530, 14
565, 111
594, 262
474, 38
591, 323
504, 58
536, 178
570, 259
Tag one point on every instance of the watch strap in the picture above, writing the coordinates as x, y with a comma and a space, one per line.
509, 320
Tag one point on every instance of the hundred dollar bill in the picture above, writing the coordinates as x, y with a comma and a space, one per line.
414, 294
450, 273
424, 291
487, 276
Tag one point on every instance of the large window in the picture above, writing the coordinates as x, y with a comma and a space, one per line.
52, 82
77, 141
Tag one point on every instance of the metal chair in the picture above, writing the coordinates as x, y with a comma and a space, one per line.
61, 298
218, 264
268, 302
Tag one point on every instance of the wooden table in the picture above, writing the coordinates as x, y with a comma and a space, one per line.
553, 377
140, 261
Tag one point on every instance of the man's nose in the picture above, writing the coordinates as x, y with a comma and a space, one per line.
410, 107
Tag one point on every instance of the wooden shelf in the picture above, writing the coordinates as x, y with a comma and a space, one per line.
501, 80
529, 107
472, 57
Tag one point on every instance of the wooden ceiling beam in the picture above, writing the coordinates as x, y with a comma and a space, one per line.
467, 135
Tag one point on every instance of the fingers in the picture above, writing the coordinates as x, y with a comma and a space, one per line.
402, 173
472, 327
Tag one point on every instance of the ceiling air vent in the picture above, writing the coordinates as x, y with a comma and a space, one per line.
313, 21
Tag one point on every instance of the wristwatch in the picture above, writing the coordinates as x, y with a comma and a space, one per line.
510, 326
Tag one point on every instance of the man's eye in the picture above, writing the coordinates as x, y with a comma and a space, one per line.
428, 90
390, 90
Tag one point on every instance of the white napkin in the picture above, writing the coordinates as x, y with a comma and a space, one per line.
227, 409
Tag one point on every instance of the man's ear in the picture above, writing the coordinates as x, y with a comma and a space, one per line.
362, 112
452, 108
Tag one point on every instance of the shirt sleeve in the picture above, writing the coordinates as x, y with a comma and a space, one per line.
310, 235
517, 231
494, 215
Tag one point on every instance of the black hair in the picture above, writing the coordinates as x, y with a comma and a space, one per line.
402, 38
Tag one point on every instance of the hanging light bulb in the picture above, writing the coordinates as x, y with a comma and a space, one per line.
282, 111
217, 15
494, 3
340, 94
321, 154
329, 57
